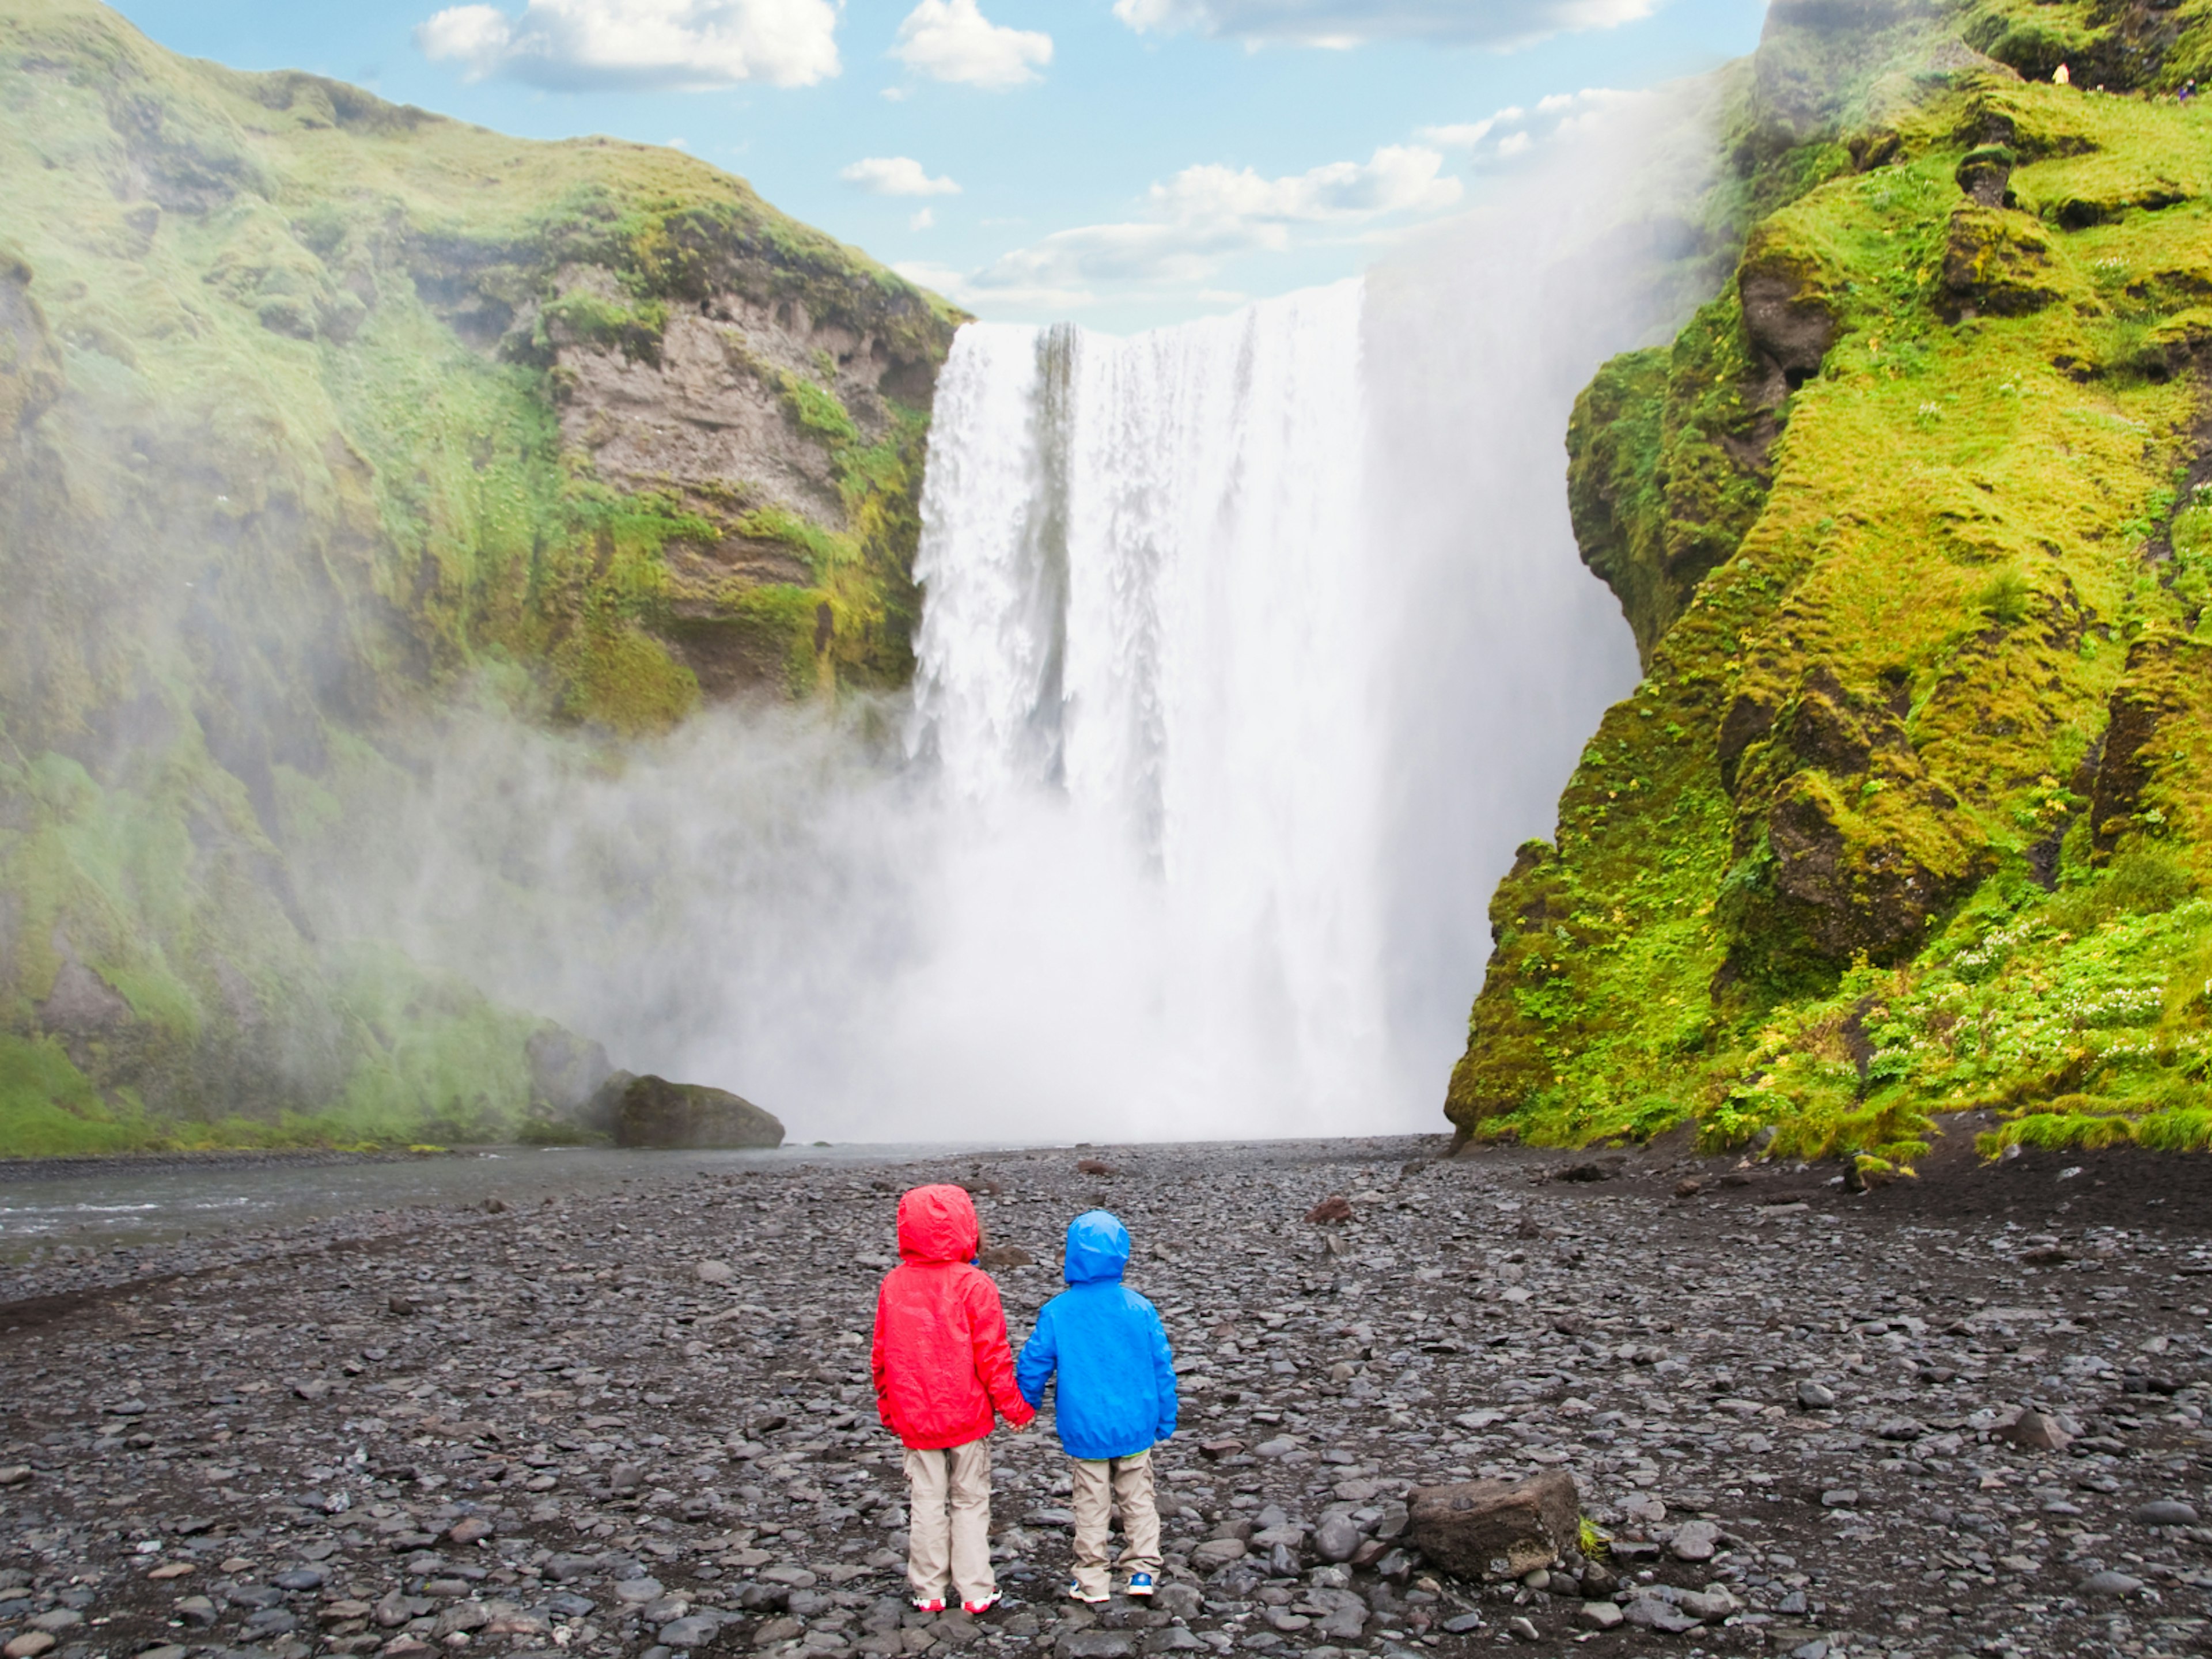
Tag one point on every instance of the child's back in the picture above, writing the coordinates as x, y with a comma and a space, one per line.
1117, 1393
1116, 1400
943, 1374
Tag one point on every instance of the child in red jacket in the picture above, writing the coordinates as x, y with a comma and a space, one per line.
941, 1367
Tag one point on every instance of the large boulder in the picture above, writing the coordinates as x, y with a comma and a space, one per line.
1497, 1528
651, 1111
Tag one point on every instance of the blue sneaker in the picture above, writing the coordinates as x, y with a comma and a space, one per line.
1140, 1583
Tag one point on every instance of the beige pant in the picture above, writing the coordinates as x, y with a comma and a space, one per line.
1103, 1485
949, 1522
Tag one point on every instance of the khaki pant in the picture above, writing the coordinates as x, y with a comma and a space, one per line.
949, 1522
1103, 1485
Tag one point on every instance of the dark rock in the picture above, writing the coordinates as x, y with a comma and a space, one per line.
1493, 1528
1985, 174
1787, 314
652, 1112
1996, 264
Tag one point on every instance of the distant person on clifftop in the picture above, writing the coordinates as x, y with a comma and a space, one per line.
943, 1375
1117, 1399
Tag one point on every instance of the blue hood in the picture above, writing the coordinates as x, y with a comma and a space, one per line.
1097, 1248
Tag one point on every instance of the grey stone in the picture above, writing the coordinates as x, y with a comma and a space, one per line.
1694, 1540
1650, 1613
2165, 1512
1096, 1645
695, 1630
1335, 1539
1599, 1615
2109, 1582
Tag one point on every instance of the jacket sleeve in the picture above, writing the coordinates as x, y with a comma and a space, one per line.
1040, 1358
875, 1355
995, 1363
1163, 1372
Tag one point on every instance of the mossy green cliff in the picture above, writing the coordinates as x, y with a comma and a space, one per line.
316, 415
1913, 811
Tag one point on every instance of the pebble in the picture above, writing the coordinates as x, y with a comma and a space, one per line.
2167, 1512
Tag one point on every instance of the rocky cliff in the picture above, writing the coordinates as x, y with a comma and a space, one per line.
1913, 811
318, 415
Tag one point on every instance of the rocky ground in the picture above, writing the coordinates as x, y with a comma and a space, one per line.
1956, 1416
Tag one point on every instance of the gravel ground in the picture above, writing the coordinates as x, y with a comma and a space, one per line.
1960, 1415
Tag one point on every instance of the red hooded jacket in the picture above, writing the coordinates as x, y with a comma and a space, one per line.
941, 1362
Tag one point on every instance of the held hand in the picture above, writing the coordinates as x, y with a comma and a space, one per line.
1023, 1426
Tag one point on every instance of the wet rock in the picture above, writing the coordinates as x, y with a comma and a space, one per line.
1496, 1529
652, 1112
2165, 1512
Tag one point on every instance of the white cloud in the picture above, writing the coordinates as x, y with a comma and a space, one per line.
1515, 130
952, 40
570, 46
922, 220
896, 175
1345, 23
1466, 135
1202, 217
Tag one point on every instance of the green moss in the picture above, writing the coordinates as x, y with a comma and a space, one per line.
819, 411
634, 332
1910, 813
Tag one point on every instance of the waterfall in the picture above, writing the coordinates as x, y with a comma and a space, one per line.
1250, 649
1146, 570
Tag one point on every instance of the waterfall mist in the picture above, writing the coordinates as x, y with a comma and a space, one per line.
1251, 649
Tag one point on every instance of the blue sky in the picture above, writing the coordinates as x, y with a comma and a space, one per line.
1123, 162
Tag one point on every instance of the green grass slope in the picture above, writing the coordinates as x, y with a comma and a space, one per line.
304, 433
1912, 812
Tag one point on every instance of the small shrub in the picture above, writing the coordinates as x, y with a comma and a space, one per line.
2006, 600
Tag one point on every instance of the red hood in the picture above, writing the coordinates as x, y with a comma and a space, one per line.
937, 1224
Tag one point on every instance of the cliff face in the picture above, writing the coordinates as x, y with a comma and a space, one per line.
1913, 522
317, 413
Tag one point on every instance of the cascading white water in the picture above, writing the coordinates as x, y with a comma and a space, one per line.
1250, 649
1146, 605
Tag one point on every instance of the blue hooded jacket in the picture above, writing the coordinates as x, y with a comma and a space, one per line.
1117, 1386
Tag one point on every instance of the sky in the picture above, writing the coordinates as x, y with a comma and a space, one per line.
1124, 163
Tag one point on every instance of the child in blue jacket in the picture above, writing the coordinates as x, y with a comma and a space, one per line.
1117, 1397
